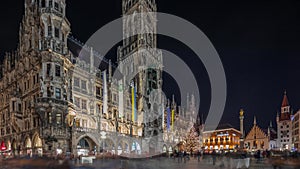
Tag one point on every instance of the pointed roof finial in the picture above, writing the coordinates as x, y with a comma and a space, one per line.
285, 101
254, 121
173, 99
271, 124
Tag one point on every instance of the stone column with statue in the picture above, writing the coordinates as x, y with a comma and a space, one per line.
242, 129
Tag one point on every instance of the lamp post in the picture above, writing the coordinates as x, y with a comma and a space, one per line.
103, 137
131, 131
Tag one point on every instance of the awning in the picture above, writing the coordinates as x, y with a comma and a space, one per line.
3, 146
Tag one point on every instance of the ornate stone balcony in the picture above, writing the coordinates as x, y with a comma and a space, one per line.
51, 100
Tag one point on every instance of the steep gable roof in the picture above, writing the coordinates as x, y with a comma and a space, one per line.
256, 133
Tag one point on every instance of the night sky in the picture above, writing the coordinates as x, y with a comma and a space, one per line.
258, 42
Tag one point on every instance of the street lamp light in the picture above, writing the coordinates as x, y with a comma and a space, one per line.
103, 137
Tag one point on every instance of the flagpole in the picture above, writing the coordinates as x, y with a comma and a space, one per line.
132, 100
135, 104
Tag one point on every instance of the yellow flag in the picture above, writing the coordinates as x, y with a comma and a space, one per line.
173, 117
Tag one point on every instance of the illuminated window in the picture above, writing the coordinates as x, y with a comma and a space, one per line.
57, 93
58, 118
49, 117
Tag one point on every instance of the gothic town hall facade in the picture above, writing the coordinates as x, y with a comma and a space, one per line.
53, 102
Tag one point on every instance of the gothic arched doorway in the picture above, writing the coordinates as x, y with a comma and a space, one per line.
86, 146
164, 150
37, 145
136, 148
123, 147
28, 146
108, 146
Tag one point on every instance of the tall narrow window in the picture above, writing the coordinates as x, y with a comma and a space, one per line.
83, 84
43, 4
57, 70
49, 117
56, 6
50, 30
48, 69
83, 104
58, 118
57, 93
37, 78
77, 101
98, 92
33, 79
19, 107
48, 92
56, 32
76, 82
50, 3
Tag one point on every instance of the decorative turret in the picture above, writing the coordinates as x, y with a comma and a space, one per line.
55, 28
173, 105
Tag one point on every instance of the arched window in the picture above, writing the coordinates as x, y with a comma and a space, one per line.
49, 30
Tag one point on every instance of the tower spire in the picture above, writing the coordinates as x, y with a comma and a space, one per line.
254, 122
285, 101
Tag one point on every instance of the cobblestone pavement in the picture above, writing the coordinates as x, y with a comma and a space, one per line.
167, 163
157, 163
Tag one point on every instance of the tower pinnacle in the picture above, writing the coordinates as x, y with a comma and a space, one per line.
285, 101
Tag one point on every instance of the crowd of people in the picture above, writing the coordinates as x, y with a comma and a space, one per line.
184, 156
